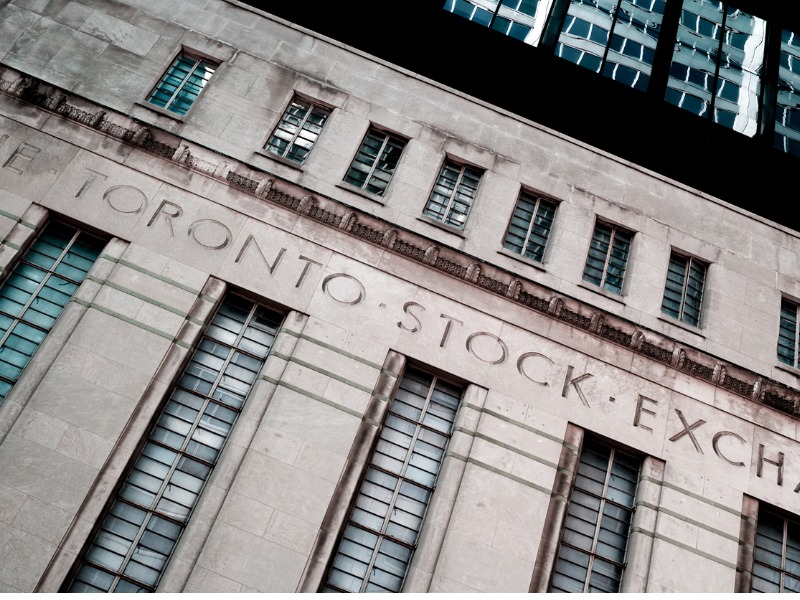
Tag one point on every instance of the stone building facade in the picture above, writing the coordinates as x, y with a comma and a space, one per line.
279, 315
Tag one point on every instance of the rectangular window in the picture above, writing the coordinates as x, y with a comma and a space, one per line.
608, 257
787, 112
36, 292
375, 162
523, 20
787, 333
453, 194
683, 292
591, 554
776, 556
612, 37
381, 532
530, 226
298, 130
716, 64
182, 83
136, 538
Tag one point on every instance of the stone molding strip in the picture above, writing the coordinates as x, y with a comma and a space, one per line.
413, 246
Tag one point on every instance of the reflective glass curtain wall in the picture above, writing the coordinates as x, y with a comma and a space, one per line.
787, 113
617, 38
140, 531
717, 63
521, 19
381, 533
36, 292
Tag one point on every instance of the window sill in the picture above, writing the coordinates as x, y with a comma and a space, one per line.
360, 192
681, 324
442, 226
523, 259
601, 292
284, 161
788, 368
164, 112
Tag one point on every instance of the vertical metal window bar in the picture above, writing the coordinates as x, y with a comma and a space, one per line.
137, 536
298, 130
776, 557
375, 162
453, 193
529, 227
380, 536
788, 334
608, 257
591, 556
36, 292
683, 292
182, 83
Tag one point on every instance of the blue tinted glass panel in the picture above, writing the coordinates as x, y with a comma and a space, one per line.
182, 83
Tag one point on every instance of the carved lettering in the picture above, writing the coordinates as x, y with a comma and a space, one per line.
640, 409
778, 463
124, 199
532, 355
446, 334
687, 430
168, 216
715, 444
19, 159
270, 267
501, 344
89, 181
575, 382
306, 268
417, 323
326, 287
207, 225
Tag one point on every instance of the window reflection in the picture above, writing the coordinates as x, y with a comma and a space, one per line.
614, 37
716, 64
787, 113
523, 20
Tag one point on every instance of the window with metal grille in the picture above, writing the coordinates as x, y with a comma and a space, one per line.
453, 193
683, 293
776, 556
381, 533
182, 83
788, 334
298, 130
591, 555
716, 64
614, 37
530, 226
139, 532
375, 162
36, 292
608, 257
520, 19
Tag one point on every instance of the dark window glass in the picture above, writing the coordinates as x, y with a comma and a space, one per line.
137, 536
36, 292
787, 333
530, 226
298, 130
381, 533
591, 555
683, 292
608, 257
375, 162
776, 556
182, 83
452, 195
